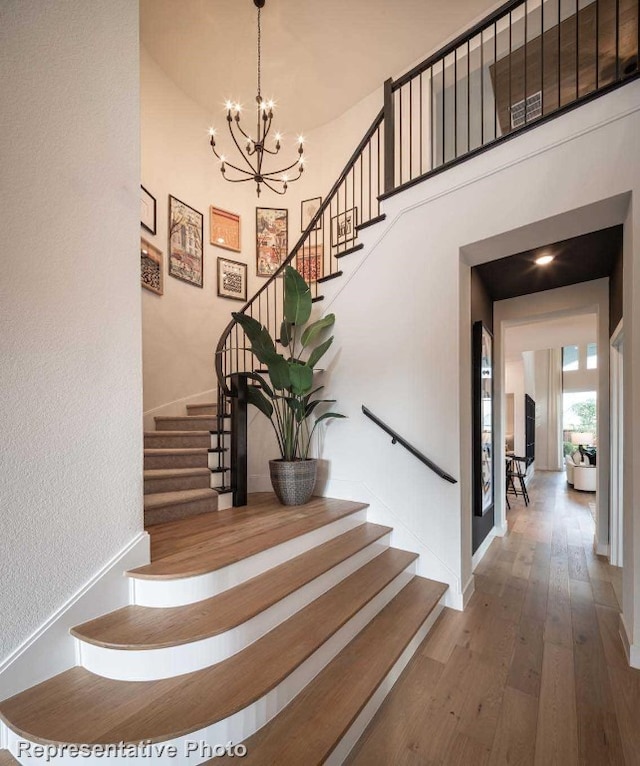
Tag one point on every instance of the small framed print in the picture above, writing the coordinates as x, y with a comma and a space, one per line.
310, 263
151, 267
272, 226
343, 227
185, 242
308, 208
232, 279
147, 210
224, 229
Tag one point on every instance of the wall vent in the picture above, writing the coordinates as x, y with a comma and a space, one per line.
534, 110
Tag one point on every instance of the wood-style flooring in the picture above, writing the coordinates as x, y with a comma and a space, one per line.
533, 671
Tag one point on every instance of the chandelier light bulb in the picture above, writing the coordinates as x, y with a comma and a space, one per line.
228, 105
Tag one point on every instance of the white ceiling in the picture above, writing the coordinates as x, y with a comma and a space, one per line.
319, 58
574, 330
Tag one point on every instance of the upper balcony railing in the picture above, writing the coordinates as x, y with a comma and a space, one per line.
527, 62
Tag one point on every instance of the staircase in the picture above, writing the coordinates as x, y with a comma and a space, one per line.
184, 471
280, 628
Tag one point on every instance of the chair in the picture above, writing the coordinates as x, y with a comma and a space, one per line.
516, 477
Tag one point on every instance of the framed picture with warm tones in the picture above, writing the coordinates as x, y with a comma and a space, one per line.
483, 442
151, 267
308, 208
310, 263
232, 279
272, 240
147, 210
343, 227
224, 229
185, 242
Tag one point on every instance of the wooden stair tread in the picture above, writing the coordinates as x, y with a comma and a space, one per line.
188, 418
204, 544
175, 450
310, 727
6, 759
169, 473
164, 499
81, 708
163, 434
138, 627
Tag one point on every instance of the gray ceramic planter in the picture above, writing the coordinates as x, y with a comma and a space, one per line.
293, 481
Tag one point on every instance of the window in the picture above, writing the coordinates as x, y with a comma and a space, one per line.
569, 358
579, 420
592, 356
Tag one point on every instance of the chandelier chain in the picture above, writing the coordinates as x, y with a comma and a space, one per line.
259, 51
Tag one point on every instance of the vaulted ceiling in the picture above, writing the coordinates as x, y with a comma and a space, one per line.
319, 57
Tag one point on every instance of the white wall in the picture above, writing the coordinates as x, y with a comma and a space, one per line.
70, 376
514, 384
522, 194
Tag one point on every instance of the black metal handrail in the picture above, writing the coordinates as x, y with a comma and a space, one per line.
397, 439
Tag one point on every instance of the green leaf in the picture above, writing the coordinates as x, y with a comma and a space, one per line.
261, 343
316, 328
297, 407
310, 406
297, 297
259, 400
311, 393
285, 333
318, 352
263, 383
328, 415
301, 378
279, 372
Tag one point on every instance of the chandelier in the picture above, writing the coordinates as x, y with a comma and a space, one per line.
255, 149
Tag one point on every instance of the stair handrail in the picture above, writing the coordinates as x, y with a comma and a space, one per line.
226, 334
397, 439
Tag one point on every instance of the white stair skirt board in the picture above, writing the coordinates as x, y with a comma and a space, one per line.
356, 730
50, 649
187, 590
244, 723
154, 664
225, 500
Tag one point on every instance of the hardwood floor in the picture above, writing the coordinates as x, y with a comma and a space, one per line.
533, 671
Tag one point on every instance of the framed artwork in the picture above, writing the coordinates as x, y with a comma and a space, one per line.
224, 229
272, 226
343, 227
483, 442
185, 242
308, 208
310, 263
232, 279
147, 210
151, 267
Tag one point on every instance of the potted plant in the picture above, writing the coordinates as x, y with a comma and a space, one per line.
287, 399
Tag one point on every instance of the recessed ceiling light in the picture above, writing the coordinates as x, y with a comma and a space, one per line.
544, 259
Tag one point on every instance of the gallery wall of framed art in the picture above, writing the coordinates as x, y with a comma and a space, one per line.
483, 421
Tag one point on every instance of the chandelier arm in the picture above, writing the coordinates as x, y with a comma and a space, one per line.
238, 180
274, 173
246, 135
267, 127
273, 188
271, 151
228, 164
243, 155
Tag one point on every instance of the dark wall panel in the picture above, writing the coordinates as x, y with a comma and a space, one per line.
615, 294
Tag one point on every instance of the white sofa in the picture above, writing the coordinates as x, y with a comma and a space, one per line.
585, 477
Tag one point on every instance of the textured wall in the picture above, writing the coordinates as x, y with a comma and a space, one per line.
70, 369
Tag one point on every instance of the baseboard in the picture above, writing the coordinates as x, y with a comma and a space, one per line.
601, 549
177, 407
631, 650
468, 591
51, 649
484, 546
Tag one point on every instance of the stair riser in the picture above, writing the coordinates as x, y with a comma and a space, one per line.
187, 424
246, 722
200, 409
176, 461
176, 484
180, 511
160, 441
150, 665
357, 728
159, 592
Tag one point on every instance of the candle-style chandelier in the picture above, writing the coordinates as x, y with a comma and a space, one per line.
255, 149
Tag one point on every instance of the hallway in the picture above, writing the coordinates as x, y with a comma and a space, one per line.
533, 672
